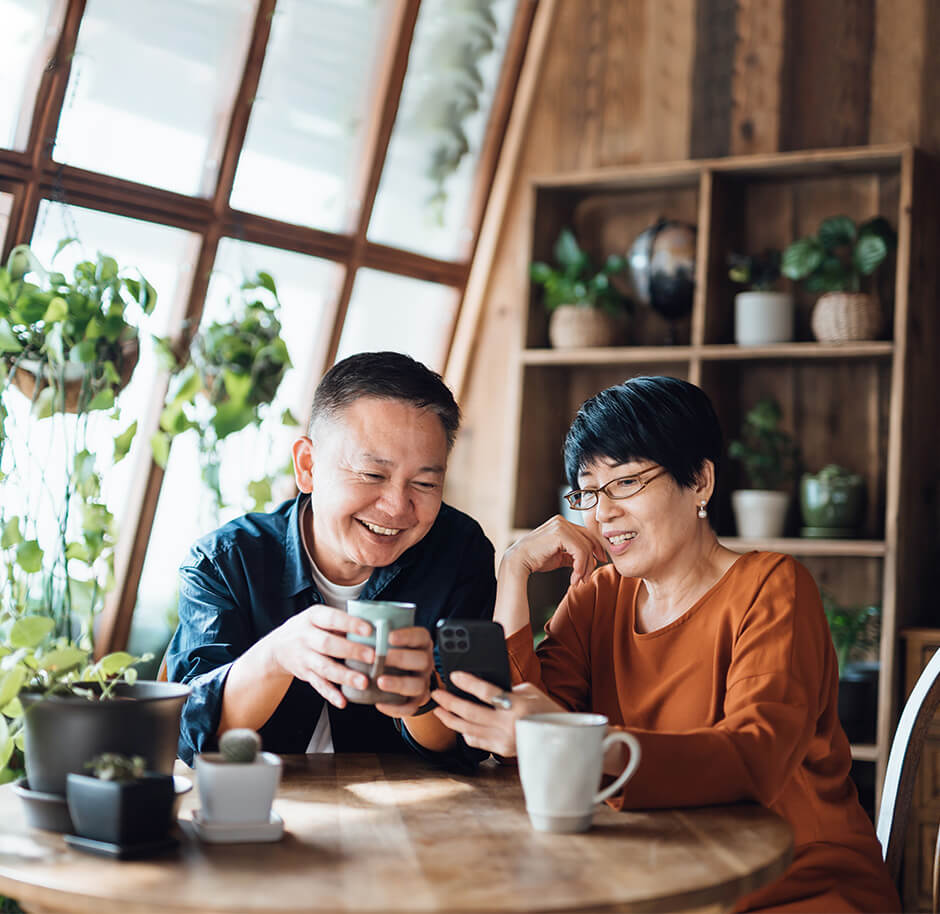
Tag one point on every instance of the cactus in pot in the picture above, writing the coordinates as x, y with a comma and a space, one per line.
240, 745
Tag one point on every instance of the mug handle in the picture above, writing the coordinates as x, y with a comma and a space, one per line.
380, 627
620, 736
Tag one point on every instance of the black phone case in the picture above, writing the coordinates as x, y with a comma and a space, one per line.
477, 646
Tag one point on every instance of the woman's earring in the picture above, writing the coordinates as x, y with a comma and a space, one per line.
701, 509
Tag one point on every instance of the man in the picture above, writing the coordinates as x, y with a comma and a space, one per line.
262, 633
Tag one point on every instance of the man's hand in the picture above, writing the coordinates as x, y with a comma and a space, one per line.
410, 649
313, 645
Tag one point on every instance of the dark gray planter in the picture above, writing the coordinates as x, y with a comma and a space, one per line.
858, 702
121, 812
65, 731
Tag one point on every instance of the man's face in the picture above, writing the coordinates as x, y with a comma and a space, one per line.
376, 475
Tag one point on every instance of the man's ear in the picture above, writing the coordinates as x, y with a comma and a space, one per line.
302, 453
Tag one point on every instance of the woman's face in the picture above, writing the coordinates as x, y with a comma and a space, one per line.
646, 532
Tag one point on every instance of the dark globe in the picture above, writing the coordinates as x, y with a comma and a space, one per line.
662, 267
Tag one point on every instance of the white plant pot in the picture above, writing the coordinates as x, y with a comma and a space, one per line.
763, 317
237, 792
759, 513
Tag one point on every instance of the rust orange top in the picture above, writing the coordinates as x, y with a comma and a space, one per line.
735, 700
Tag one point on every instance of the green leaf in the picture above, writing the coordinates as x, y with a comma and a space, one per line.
112, 664
62, 245
267, 281
104, 399
6, 744
567, 252
57, 310
10, 684
78, 551
63, 659
84, 352
839, 231
160, 448
237, 386
8, 340
122, 443
107, 268
801, 258
541, 273
29, 556
288, 418
44, 404
185, 386
231, 417
13, 710
11, 533
259, 490
29, 631
870, 251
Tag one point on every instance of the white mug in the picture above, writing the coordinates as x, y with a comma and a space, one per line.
561, 756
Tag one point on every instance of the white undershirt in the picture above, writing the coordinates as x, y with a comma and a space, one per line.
334, 595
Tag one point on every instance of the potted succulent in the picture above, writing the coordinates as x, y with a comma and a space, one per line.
768, 455
236, 786
761, 314
832, 502
834, 262
854, 633
586, 309
231, 378
122, 804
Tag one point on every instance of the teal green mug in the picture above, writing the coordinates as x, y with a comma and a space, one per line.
386, 617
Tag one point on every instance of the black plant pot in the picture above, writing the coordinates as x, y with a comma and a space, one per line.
128, 812
63, 732
858, 702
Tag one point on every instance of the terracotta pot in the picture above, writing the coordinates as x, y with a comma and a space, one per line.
26, 375
576, 326
839, 317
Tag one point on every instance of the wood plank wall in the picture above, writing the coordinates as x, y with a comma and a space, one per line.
628, 81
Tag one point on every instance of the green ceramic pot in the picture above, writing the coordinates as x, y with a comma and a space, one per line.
832, 501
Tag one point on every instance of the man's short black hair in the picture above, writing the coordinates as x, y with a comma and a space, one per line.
665, 420
388, 376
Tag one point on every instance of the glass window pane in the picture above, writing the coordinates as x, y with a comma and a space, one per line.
151, 88
453, 70
30, 31
166, 256
401, 314
6, 205
186, 509
299, 157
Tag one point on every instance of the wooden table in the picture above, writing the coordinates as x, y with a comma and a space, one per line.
389, 834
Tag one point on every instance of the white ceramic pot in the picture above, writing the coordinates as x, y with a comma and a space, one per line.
763, 317
760, 513
237, 792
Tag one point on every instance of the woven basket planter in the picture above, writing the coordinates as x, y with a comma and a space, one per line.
576, 326
27, 376
839, 317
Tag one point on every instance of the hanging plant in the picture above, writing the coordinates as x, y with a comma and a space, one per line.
230, 381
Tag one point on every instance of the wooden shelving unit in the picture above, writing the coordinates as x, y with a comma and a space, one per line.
870, 406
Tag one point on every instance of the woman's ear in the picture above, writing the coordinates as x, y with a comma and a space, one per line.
705, 481
302, 453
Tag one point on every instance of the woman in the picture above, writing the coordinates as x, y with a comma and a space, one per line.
721, 664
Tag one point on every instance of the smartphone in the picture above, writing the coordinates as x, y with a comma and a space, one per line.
476, 646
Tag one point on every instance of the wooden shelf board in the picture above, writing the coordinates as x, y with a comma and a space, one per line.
865, 753
810, 546
631, 355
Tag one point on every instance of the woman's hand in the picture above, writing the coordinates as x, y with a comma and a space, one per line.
555, 544
489, 727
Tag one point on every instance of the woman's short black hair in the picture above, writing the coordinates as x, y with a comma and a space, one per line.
665, 420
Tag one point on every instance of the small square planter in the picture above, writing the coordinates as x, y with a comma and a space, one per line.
121, 812
237, 792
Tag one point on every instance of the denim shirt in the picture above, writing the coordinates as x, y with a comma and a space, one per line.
248, 577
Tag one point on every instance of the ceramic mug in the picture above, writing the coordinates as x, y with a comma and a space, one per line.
560, 760
385, 617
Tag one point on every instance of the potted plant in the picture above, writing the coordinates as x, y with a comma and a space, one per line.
59, 707
236, 787
834, 262
121, 804
70, 339
585, 308
761, 314
229, 382
854, 633
768, 455
832, 502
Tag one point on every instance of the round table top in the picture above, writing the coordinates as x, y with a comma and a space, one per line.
389, 834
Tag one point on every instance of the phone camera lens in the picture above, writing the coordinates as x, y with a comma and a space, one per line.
463, 645
448, 644
460, 632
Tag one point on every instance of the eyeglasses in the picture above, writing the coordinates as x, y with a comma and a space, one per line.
622, 487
